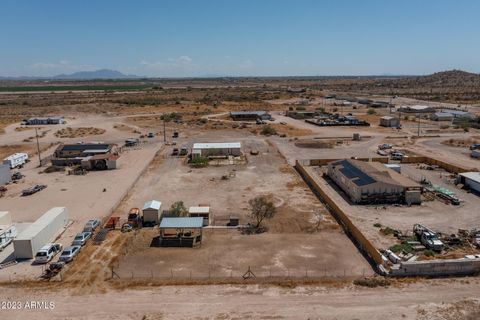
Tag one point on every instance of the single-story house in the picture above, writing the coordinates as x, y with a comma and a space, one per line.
43, 121
222, 149
372, 182
250, 115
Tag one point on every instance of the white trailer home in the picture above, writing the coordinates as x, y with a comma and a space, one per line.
16, 159
42, 231
7, 231
216, 149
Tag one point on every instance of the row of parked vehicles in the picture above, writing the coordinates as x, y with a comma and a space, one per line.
50, 250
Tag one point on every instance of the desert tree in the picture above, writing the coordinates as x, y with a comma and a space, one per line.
261, 209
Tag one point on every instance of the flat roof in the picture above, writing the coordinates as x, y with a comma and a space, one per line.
199, 210
182, 223
388, 117
16, 155
474, 176
241, 113
153, 204
41, 223
96, 150
217, 145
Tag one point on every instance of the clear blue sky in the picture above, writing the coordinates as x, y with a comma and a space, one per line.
242, 37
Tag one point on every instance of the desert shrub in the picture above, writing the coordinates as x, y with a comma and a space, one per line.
268, 131
372, 282
371, 111
199, 162
429, 253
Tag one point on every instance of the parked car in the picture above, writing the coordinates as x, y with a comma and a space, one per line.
17, 176
134, 218
175, 134
475, 146
81, 238
150, 135
385, 146
69, 253
91, 225
381, 153
47, 252
175, 152
36, 188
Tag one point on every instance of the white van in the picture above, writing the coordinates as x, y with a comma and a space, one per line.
6, 236
47, 252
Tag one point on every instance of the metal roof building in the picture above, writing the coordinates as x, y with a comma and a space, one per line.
250, 115
372, 182
471, 180
222, 149
42, 231
182, 223
151, 212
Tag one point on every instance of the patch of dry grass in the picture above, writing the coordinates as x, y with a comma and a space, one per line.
78, 132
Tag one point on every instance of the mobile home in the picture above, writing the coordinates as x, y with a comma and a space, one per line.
16, 159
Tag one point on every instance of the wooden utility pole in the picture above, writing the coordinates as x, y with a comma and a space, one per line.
164, 130
38, 148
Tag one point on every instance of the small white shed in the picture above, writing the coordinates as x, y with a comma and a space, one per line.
151, 212
203, 212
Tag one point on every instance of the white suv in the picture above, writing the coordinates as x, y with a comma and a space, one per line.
47, 252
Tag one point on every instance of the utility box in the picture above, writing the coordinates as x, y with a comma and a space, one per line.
42, 231
151, 212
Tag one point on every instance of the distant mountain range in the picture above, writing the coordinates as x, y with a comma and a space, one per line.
81, 75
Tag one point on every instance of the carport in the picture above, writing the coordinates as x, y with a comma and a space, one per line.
180, 232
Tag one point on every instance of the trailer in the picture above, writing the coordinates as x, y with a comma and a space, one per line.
16, 160
7, 230
42, 231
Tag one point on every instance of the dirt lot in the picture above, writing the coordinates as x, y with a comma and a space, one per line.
82, 195
301, 236
437, 215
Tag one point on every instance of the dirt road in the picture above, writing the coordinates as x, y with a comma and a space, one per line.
451, 299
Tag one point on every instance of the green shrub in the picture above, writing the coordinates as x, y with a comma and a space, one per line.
404, 246
199, 162
377, 225
371, 111
429, 253
268, 131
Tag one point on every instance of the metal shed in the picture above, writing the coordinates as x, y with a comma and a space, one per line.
42, 231
471, 180
200, 211
151, 212
180, 232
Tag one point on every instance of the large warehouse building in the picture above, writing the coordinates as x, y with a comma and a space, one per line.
372, 182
